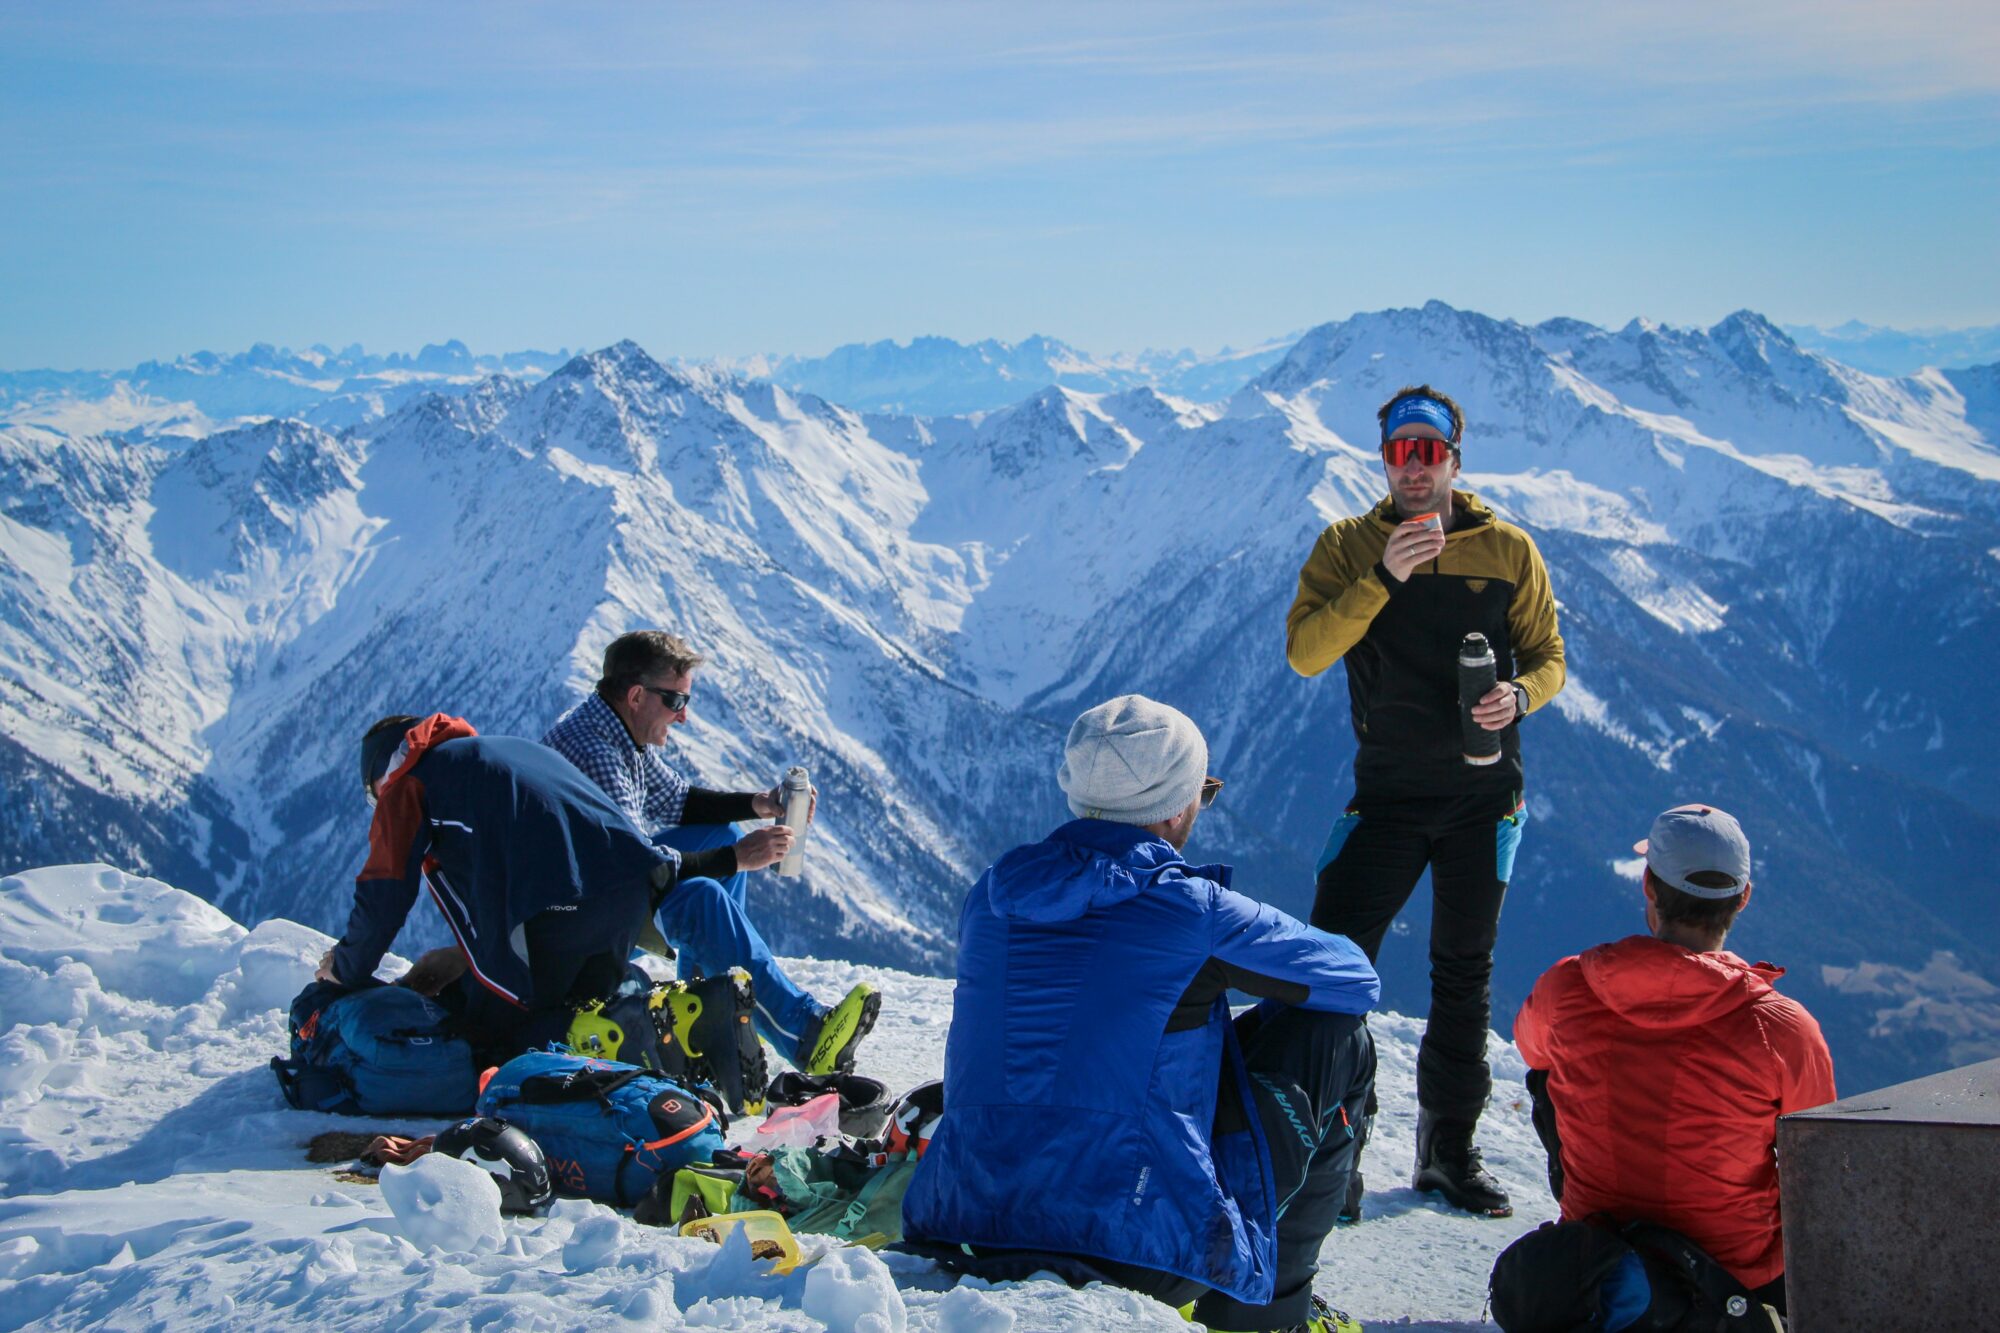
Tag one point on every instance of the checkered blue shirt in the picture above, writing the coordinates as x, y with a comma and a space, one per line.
635, 776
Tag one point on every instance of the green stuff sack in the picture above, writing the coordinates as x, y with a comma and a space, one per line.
848, 1198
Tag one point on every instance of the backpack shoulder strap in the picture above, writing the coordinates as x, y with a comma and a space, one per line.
1707, 1282
578, 1085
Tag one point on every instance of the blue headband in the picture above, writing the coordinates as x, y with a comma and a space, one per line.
1418, 410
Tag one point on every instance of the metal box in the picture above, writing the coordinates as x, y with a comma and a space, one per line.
1892, 1206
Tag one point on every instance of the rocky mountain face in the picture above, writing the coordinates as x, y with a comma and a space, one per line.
1778, 580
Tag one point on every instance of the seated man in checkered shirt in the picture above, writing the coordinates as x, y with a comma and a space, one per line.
615, 736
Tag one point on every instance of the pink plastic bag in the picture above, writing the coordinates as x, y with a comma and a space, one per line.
801, 1126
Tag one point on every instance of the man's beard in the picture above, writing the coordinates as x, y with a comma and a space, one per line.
1433, 501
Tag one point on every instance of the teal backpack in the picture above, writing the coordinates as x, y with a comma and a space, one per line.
608, 1130
381, 1050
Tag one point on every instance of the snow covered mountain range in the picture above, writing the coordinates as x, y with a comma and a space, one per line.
1778, 577
1884, 351
194, 395
940, 377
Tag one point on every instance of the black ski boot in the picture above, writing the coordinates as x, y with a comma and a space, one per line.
1450, 1164
713, 1020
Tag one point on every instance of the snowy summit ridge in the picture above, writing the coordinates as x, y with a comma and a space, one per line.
155, 1177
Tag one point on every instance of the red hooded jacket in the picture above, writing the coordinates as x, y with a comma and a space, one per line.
1668, 1070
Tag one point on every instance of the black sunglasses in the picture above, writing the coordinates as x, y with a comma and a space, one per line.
1209, 787
675, 700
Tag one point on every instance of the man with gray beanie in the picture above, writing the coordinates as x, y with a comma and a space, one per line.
1660, 1063
1105, 1117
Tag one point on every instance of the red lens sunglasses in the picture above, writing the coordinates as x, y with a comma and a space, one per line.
1429, 452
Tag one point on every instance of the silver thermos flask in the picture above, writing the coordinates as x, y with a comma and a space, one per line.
1475, 678
798, 806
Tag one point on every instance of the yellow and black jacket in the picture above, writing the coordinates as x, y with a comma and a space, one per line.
1400, 641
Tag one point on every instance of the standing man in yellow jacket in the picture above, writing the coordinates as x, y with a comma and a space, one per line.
1392, 593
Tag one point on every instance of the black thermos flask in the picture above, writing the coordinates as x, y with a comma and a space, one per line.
1475, 678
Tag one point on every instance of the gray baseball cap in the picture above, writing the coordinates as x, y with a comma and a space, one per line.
1689, 839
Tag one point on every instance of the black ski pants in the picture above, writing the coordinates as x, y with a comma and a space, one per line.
1373, 859
1311, 1077
576, 953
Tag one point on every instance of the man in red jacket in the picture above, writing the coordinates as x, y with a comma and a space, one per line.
1666, 1061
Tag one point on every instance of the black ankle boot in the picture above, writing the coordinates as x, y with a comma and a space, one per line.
1449, 1164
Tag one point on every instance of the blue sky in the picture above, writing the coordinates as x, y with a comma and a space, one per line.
727, 179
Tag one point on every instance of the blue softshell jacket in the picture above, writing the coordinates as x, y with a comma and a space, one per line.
1090, 1029
500, 829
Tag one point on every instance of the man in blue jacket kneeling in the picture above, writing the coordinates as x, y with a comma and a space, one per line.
1104, 1115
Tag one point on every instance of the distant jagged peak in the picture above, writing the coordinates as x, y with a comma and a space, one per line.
771, 402
1056, 423
445, 424
474, 412
1318, 347
276, 437
1146, 400
620, 407
495, 393
627, 380
451, 359
936, 376
718, 383
1566, 328
1749, 331
626, 371
1035, 348
1054, 403
260, 462
1165, 361
1403, 339
1764, 351
1148, 415
1750, 323
1745, 337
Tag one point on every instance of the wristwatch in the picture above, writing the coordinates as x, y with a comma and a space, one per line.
1520, 701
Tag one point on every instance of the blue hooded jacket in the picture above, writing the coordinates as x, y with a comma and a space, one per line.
501, 829
1090, 1034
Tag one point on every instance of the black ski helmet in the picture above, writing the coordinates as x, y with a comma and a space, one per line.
515, 1160
379, 745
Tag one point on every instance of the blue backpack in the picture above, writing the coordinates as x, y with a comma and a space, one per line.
380, 1050
608, 1130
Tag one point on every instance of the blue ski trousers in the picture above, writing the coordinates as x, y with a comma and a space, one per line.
706, 921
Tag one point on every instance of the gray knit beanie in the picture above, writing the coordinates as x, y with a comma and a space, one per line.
1132, 761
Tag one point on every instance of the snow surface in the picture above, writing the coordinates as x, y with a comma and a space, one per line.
152, 1177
